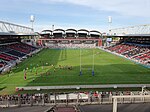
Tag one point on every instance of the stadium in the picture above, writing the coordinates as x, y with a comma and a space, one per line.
74, 70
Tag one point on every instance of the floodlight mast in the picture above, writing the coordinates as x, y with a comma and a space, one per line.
53, 28
93, 62
32, 19
109, 22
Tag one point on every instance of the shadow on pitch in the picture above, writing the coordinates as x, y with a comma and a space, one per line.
38, 60
1, 88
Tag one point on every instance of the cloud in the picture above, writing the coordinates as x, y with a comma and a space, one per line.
91, 14
126, 8
138, 8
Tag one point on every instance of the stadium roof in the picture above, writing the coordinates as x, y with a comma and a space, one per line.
129, 35
7, 28
59, 30
95, 31
138, 35
84, 30
15, 34
47, 31
6, 33
33, 34
71, 30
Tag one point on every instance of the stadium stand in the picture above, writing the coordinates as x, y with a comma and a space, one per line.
132, 47
70, 38
2, 65
133, 51
16, 53
11, 53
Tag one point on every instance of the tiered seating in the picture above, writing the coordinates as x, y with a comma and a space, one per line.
4, 58
74, 46
11, 52
137, 50
121, 48
2, 64
138, 53
16, 50
31, 48
125, 48
8, 56
24, 48
143, 57
16, 53
4, 48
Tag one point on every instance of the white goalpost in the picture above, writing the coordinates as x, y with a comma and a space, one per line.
82, 66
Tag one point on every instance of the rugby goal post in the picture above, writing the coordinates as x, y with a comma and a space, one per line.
82, 67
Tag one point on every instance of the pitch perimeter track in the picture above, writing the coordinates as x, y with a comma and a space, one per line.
85, 86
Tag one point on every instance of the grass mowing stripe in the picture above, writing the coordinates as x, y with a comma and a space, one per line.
109, 69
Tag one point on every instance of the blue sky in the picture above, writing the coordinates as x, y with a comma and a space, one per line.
89, 14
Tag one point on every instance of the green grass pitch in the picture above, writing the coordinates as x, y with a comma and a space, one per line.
109, 69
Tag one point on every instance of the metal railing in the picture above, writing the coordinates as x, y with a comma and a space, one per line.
72, 98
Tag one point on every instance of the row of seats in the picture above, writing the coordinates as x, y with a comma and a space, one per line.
24, 48
8, 57
16, 53
121, 48
145, 58
2, 64
13, 51
136, 52
71, 46
4, 48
